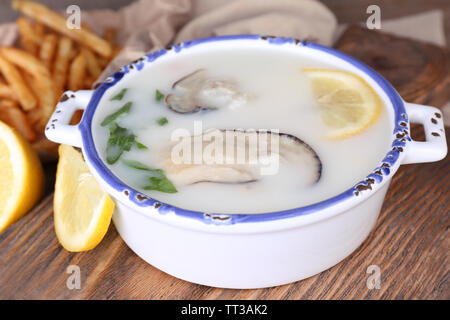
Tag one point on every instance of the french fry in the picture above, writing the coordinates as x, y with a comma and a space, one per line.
33, 85
28, 45
61, 64
110, 35
7, 92
48, 49
93, 66
26, 29
73, 53
17, 83
24, 60
28, 38
57, 22
77, 72
47, 100
39, 29
34, 117
11, 114
41, 77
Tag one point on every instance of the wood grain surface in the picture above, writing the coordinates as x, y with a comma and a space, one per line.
420, 71
410, 245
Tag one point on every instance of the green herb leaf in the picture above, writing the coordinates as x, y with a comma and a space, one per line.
157, 181
112, 117
113, 153
159, 95
136, 165
161, 184
140, 145
120, 140
120, 95
162, 121
113, 127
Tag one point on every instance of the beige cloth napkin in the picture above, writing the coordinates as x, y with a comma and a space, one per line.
302, 19
147, 25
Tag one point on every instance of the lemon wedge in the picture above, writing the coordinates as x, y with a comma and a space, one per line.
82, 210
21, 176
347, 102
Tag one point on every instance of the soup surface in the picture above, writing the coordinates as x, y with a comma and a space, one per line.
229, 90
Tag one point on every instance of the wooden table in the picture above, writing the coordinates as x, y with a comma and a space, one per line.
409, 244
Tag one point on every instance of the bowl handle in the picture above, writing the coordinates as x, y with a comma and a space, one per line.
435, 146
58, 128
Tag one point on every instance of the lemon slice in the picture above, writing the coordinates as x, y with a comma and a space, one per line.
21, 177
348, 103
82, 210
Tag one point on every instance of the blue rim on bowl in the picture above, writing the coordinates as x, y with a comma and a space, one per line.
400, 138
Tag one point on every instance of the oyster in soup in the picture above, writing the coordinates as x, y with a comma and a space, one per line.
196, 91
240, 157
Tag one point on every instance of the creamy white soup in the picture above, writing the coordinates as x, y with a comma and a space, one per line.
145, 124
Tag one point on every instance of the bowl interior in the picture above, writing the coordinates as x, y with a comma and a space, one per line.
369, 184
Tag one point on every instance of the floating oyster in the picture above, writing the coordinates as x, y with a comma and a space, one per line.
239, 156
195, 92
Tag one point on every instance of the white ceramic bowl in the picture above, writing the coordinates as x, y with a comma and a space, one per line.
258, 250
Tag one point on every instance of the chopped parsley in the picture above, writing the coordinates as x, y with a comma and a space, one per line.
158, 95
120, 95
157, 179
162, 121
112, 117
140, 145
120, 140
